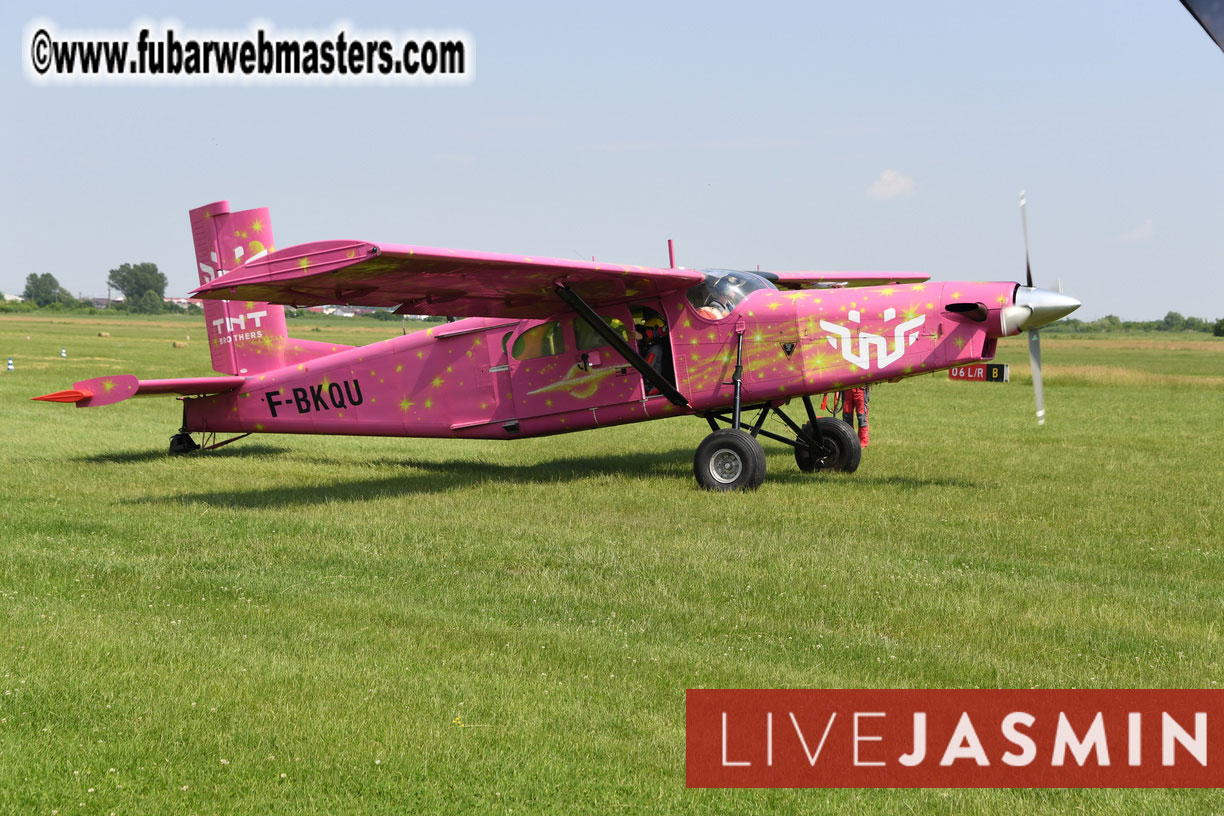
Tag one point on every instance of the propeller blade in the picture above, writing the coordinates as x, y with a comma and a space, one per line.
1035, 362
1028, 270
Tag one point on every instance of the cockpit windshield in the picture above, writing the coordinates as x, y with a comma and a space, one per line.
723, 290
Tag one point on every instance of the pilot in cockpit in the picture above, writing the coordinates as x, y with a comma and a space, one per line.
719, 294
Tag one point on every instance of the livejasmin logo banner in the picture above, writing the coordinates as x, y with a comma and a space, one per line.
953, 738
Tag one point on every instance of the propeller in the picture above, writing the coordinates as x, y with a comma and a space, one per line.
1034, 338
1031, 309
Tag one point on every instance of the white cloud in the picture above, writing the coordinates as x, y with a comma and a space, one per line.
891, 184
1144, 232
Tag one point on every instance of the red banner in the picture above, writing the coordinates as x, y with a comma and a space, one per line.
955, 738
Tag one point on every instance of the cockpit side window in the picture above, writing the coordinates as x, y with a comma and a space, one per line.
722, 291
541, 341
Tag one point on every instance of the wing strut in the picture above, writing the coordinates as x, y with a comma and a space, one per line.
617, 342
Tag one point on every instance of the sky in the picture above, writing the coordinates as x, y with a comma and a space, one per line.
881, 136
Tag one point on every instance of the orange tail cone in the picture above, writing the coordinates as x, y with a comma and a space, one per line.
71, 395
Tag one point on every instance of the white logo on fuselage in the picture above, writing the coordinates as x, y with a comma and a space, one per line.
904, 336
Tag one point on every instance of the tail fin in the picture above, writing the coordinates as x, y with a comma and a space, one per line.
244, 337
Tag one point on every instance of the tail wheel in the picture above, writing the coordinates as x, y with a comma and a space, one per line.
729, 460
840, 451
182, 443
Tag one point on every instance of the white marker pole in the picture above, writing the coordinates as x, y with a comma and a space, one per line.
10, 365
64, 353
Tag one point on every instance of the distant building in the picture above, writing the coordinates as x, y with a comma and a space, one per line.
335, 311
12, 298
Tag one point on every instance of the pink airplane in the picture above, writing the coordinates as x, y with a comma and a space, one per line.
551, 346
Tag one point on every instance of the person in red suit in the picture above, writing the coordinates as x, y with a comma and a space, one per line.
855, 402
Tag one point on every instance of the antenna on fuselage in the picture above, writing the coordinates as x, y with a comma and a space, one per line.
671, 254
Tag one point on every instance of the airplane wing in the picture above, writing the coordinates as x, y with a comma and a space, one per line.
428, 280
837, 280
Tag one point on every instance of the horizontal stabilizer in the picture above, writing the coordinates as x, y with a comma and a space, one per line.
117, 388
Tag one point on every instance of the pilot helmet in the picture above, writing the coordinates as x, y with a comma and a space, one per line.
728, 291
653, 327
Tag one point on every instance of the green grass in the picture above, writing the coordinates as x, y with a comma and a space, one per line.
300, 624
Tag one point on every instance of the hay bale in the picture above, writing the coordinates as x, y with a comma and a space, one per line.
178, 344
104, 334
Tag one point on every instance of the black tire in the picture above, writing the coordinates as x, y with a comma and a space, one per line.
182, 443
841, 452
729, 460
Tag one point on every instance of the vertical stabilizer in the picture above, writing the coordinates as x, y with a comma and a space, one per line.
244, 337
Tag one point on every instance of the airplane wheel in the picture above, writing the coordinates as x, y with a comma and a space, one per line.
842, 451
729, 460
182, 443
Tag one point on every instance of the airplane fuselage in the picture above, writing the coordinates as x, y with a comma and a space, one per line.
503, 378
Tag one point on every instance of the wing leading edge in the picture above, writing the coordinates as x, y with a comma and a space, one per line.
835, 280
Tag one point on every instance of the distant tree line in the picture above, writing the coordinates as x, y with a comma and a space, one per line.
144, 292
1171, 322
143, 288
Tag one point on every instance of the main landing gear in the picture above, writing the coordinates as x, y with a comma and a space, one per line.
731, 458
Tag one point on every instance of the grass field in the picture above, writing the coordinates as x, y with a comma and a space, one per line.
312, 624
